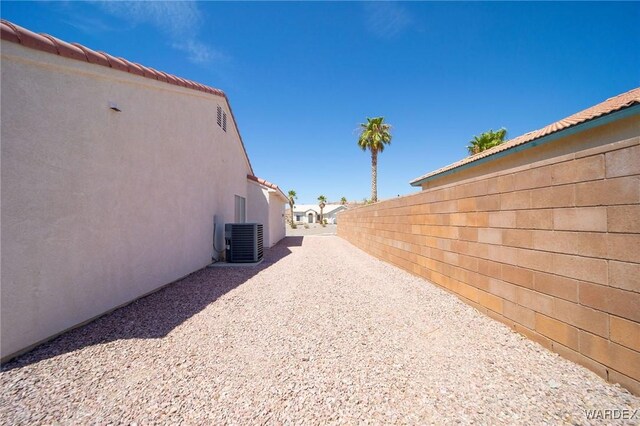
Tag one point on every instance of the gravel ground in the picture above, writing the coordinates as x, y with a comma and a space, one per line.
313, 229
318, 333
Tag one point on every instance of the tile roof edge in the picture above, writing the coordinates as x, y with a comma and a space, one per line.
46, 43
266, 183
625, 100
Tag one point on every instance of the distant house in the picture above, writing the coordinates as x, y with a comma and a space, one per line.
310, 213
115, 177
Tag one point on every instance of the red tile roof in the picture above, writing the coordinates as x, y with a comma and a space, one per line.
46, 43
267, 184
613, 104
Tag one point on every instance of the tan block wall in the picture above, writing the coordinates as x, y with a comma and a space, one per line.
551, 248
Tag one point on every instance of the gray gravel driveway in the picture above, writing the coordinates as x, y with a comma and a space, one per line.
318, 333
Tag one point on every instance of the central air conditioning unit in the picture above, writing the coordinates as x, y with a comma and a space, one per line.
244, 242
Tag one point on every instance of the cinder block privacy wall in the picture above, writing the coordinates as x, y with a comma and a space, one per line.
544, 239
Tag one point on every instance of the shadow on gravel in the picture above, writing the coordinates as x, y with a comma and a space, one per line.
155, 315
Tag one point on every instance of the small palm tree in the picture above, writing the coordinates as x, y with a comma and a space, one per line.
374, 135
322, 201
292, 200
486, 140
343, 200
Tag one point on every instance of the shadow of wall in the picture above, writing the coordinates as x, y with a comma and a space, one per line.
156, 315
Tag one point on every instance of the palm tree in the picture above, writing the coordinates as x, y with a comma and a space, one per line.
322, 201
486, 140
292, 200
343, 200
374, 135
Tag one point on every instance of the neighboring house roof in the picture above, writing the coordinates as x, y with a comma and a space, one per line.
46, 43
332, 208
616, 103
328, 209
268, 184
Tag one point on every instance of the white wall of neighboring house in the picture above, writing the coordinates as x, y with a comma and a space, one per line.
332, 215
303, 216
101, 207
329, 213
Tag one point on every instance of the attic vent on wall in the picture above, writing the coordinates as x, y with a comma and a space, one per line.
222, 118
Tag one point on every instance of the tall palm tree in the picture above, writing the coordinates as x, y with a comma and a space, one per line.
374, 135
343, 200
486, 140
292, 200
322, 201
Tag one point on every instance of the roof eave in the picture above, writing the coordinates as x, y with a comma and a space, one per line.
278, 193
581, 127
270, 187
46, 43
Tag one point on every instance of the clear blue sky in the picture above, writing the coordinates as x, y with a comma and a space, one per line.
302, 76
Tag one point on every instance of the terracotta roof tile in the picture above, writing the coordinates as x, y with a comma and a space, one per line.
116, 63
163, 76
9, 33
267, 184
46, 43
172, 79
134, 68
92, 56
30, 39
66, 49
149, 72
613, 104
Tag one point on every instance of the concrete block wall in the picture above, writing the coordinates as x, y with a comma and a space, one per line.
550, 248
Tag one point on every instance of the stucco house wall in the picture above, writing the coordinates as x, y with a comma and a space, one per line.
310, 216
544, 240
266, 206
329, 212
304, 216
100, 207
277, 220
258, 208
332, 216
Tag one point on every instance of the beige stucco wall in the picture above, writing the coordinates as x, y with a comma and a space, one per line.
258, 208
545, 241
100, 207
266, 207
276, 218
